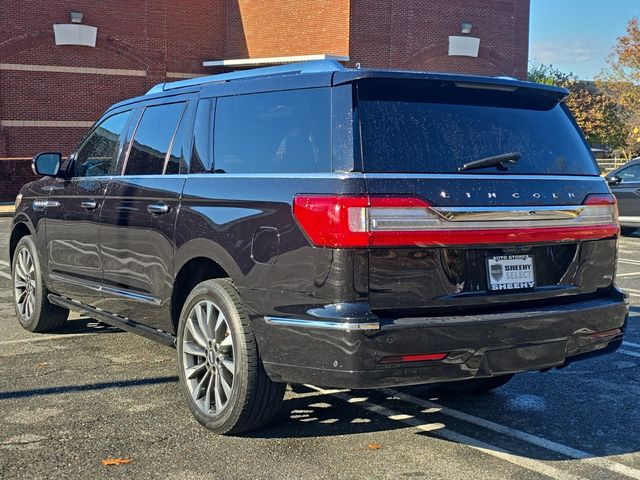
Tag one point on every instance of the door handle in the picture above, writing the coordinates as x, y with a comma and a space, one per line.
157, 208
39, 205
89, 204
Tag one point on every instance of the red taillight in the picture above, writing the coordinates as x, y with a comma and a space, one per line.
347, 221
425, 357
600, 199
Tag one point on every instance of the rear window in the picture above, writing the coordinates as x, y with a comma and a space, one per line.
420, 127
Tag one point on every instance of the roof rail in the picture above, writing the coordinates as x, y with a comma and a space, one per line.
315, 66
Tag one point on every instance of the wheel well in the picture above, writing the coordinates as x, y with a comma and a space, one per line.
192, 273
19, 230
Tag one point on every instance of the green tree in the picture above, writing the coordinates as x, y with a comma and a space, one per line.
621, 80
598, 115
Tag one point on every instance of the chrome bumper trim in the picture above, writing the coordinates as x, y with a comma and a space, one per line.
344, 326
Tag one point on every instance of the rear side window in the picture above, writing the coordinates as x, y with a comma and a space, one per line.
275, 132
419, 127
99, 152
152, 139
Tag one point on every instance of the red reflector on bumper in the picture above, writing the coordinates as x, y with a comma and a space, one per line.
425, 357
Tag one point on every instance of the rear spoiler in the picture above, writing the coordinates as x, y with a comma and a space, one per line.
507, 84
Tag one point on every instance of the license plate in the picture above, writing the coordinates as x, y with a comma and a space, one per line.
510, 272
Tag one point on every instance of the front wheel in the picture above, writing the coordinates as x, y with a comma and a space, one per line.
222, 377
33, 308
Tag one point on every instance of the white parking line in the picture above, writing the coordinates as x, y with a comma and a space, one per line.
629, 352
440, 430
523, 436
631, 344
6, 264
42, 338
5, 275
628, 262
630, 274
632, 292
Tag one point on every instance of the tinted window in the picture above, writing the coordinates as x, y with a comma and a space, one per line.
152, 139
99, 152
202, 152
273, 132
176, 159
410, 126
631, 174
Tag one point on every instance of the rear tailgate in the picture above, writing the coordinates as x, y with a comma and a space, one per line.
465, 239
449, 276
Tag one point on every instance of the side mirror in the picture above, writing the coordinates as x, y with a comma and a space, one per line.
47, 164
614, 180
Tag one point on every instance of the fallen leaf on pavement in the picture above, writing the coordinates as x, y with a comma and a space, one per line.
115, 461
42, 365
374, 446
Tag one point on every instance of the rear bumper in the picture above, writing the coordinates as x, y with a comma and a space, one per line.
347, 353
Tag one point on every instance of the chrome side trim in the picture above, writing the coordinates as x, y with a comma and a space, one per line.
342, 326
479, 176
96, 287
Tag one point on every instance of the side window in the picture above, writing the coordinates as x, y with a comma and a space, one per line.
98, 153
152, 139
275, 132
631, 174
176, 158
202, 152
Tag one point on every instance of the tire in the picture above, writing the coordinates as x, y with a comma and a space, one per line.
224, 383
35, 312
627, 230
477, 385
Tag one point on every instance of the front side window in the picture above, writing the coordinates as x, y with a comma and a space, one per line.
274, 132
152, 139
99, 152
631, 174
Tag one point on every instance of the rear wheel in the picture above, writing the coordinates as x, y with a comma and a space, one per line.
33, 308
222, 377
477, 385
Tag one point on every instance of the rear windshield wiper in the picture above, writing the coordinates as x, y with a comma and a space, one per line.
493, 161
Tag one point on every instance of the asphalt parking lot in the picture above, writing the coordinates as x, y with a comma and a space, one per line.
70, 400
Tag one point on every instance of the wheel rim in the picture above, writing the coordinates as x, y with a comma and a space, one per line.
208, 357
24, 284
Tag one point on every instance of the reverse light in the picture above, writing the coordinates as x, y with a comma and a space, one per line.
348, 221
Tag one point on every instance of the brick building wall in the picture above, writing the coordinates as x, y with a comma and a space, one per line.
50, 94
415, 35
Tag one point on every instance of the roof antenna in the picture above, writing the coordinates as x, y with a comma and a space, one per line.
358, 66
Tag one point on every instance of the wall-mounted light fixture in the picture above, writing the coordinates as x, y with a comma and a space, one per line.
74, 32
75, 17
465, 27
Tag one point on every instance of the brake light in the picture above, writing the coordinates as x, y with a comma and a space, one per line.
348, 221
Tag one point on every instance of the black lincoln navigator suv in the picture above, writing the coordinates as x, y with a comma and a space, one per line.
316, 224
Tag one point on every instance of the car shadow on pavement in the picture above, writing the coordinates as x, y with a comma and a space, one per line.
86, 325
315, 414
35, 392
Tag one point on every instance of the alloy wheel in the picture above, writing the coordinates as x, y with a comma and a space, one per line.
208, 357
24, 284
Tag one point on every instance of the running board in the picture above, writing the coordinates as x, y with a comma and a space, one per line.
116, 321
